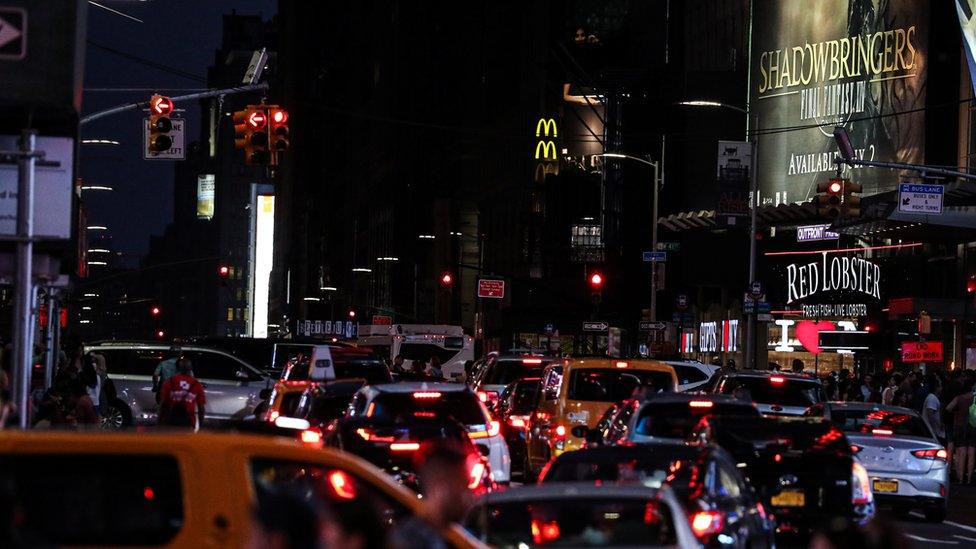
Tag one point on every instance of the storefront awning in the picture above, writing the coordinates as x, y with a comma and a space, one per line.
767, 216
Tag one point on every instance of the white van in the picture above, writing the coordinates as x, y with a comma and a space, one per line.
420, 342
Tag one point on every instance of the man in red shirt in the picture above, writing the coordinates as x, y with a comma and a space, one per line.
181, 398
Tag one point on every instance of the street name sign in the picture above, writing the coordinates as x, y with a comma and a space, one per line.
596, 326
648, 326
920, 199
655, 257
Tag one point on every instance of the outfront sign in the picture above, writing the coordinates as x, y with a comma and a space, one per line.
921, 351
814, 233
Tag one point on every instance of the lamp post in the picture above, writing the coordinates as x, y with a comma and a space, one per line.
750, 361
655, 183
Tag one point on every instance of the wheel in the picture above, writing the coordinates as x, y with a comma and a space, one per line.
116, 416
935, 514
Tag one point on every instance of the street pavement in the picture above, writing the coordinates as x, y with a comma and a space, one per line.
959, 529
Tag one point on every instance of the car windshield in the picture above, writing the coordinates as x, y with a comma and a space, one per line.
613, 385
650, 469
463, 406
373, 371
788, 392
866, 421
507, 370
678, 419
737, 434
574, 522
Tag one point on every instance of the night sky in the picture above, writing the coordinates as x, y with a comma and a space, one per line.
180, 34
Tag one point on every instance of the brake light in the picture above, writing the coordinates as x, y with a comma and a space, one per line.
544, 532
777, 380
342, 485
855, 448
476, 474
427, 394
542, 416
405, 446
487, 396
286, 422
704, 523
273, 416
701, 404
861, 494
482, 396
531, 361
560, 431
492, 428
424, 414
882, 432
311, 437
760, 509
622, 364
932, 453
518, 421
369, 436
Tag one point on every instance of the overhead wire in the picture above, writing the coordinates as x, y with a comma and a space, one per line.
149, 63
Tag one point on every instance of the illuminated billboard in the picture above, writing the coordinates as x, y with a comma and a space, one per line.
263, 258
206, 187
836, 62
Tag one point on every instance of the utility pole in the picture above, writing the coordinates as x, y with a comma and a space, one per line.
23, 329
754, 200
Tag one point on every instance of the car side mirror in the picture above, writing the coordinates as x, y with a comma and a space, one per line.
580, 431
242, 375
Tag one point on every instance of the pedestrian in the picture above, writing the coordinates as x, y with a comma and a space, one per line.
182, 398
397, 366
93, 382
869, 390
964, 433
796, 366
434, 368
443, 472
81, 411
888, 395
164, 370
932, 408
774, 367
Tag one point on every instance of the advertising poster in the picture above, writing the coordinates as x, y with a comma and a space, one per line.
854, 63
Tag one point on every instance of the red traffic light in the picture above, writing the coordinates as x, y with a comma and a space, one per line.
223, 271
279, 116
352, 313
155, 311
596, 280
160, 334
256, 120
447, 279
160, 105
836, 186
970, 285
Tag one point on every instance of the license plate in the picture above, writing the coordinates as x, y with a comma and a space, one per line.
885, 486
789, 498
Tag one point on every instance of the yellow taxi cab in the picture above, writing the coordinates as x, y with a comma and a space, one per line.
176, 489
577, 392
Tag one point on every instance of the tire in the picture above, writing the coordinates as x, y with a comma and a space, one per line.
116, 416
935, 514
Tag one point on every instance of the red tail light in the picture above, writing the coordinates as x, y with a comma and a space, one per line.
492, 428
855, 448
932, 453
476, 474
544, 532
861, 493
777, 380
882, 432
427, 394
370, 436
704, 523
560, 431
342, 484
518, 422
531, 361
311, 437
622, 365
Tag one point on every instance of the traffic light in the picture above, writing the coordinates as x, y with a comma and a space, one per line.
852, 204
279, 132
223, 271
155, 310
160, 125
829, 197
595, 280
251, 134
447, 279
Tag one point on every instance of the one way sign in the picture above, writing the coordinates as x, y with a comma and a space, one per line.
13, 33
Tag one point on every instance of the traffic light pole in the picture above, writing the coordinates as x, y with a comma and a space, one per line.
145, 104
754, 193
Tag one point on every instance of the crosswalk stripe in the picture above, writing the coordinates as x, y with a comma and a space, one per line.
927, 540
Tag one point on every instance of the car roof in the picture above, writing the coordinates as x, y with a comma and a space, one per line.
611, 363
784, 422
572, 490
789, 376
834, 405
694, 364
414, 386
678, 449
674, 397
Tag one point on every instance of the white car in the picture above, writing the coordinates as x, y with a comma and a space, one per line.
692, 375
453, 399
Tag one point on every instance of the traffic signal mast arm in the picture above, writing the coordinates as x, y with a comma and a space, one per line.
145, 104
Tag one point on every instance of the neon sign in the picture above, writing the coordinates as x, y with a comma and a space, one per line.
839, 274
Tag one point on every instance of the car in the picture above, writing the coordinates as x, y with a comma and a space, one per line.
515, 406
906, 462
802, 468
492, 374
581, 514
693, 375
268, 354
662, 417
393, 444
577, 392
723, 509
233, 387
775, 393
387, 402
319, 403
177, 489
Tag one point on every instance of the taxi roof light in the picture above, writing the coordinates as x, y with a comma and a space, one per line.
622, 364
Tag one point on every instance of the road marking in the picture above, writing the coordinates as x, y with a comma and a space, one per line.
920, 538
949, 522
963, 537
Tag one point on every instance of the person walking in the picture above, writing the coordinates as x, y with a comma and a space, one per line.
182, 398
932, 408
888, 395
92, 381
964, 456
164, 370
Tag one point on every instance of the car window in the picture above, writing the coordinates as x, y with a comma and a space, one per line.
132, 362
677, 419
788, 392
328, 484
887, 422
728, 485
688, 374
619, 425
574, 522
216, 366
523, 398
423, 352
651, 469
554, 379
286, 353
503, 372
463, 406
612, 385
95, 500
373, 371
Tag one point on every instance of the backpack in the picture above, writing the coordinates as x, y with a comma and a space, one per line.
972, 414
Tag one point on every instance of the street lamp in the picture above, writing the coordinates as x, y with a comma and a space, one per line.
753, 209
655, 182
96, 188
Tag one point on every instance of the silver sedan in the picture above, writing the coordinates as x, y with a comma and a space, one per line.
906, 463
